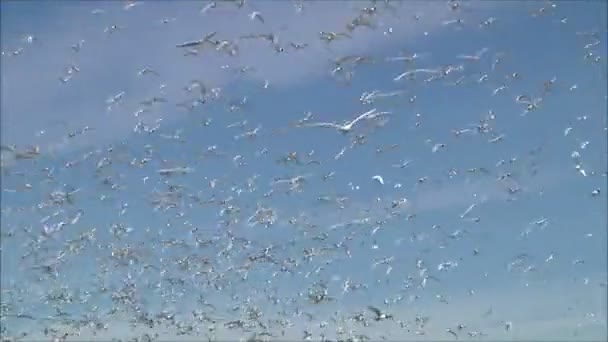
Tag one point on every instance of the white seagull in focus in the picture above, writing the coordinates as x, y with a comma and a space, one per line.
348, 126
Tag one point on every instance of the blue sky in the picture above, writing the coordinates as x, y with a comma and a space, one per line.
556, 295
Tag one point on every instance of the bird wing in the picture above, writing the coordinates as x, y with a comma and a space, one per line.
379, 179
525, 99
402, 75
363, 116
392, 93
321, 124
428, 71
258, 16
209, 36
190, 44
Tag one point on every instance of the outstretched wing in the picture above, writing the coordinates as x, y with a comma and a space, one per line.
363, 116
190, 44
321, 124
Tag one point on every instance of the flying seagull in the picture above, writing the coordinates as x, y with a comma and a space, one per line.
349, 125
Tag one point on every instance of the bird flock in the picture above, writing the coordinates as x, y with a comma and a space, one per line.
409, 193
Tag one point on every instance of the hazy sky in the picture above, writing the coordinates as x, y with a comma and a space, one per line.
563, 293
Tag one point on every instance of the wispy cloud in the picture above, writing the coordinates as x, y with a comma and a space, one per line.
464, 193
34, 100
457, 194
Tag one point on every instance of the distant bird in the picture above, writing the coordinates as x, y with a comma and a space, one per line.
488, 22
175, 170
379, 179
146, 71
452, 22
331, 36
167, 20
437, 147
450, 331
255, 15
110, 29
29, 39
209, 6
406, 59
298, 46
198, 43
499, 89
131, 4
76, 47
410, 73
402, 164
477, 56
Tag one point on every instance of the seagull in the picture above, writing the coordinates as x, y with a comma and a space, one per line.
256, 15
110, 29
402, 164
76, 47
450, 331
379, 179
298, 46
167, 20
476, 57
331, 36
175, 170
209, 6
499, 89
198, 43
114, 99
147, 70
407, 59
348, 126
452, 22
497, 138
72, 69
130, 4
412, 73
436, 147
469, 209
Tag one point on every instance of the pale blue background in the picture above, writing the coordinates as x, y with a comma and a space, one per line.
551, 302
